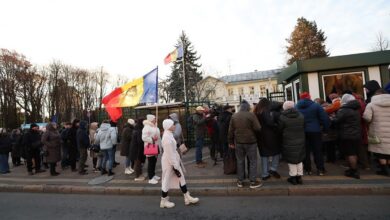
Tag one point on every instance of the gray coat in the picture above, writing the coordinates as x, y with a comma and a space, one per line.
51, 140
200, 125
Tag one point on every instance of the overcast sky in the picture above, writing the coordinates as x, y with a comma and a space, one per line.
132, 37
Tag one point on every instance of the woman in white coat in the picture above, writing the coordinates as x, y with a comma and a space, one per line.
151, 135
172, 172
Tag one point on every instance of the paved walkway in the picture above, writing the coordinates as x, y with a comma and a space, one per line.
206, 181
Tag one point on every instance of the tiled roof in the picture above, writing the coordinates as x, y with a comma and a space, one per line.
256, 75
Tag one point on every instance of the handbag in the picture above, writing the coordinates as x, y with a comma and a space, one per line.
183, 148
95, 148
373, 139
230, 162
151, 149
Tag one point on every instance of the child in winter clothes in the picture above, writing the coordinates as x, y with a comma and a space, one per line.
291, 125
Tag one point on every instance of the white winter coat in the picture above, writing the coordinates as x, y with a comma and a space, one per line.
169, 160
377, 114
149, 131
106, 136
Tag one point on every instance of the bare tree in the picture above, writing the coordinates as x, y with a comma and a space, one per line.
205, 89
163, 90
381, 44
102, 80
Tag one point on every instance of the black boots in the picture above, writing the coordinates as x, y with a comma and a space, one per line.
110, 173
352, 173
103, 171
384, 171
295, 180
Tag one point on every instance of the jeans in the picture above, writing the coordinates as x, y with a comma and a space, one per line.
265, 164
100, 160
314, 144
108, 156
243, 151
295, 169
152, 161
4, 166
129, 163
199, 146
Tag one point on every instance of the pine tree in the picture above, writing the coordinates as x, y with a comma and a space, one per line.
193, 75
306, 42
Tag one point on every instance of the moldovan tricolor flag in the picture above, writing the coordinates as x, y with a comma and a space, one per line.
174, 55
141, 90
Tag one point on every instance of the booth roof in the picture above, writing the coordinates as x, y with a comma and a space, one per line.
256, 75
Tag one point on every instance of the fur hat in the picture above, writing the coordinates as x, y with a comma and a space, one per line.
150, 117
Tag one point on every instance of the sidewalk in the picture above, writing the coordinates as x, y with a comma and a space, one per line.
200, 181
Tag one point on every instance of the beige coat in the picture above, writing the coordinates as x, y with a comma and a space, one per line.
169, 160
377, 114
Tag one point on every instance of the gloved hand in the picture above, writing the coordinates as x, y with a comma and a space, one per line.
177, 172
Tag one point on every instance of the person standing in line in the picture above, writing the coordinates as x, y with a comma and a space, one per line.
243, 130
106, 138
292, 127
377, 114
94, 155
315, 116
136, 152
65, 145
330, 140
172, 168
269, 140
371, 87
5, 148
223, 124
178, 133
349, 129
51, 140
83, 143
199, 121
127, 134
16, 141
115, 126
151, 135
33, 144
72, 140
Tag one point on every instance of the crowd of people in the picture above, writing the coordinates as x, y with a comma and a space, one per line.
348, 127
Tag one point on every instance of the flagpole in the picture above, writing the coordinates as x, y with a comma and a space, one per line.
184, 72
157, 98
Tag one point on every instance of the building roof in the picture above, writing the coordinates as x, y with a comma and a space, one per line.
256, 75
336, 62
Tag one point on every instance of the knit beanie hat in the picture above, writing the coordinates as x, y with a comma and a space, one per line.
288, 105
305, 95
131, 121
347, 98
167, 123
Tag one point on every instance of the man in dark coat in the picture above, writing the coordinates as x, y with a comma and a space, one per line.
242, 137
72, 141
315, 116
223, 124
371, 87
5, 148
32, 143
291, 125
136, 152
83, 144
124, 144
65, 145
199, 119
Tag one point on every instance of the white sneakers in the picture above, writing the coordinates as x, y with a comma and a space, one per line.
157, 178
140, 178
188, 199
165, 203
129, 171
153, 181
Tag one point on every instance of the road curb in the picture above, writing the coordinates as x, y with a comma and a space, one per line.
206, 191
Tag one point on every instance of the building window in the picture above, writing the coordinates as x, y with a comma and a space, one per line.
251, 90
241, 91
263, 91
340, 82
230, 92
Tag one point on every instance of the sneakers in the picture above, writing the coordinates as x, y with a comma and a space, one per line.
292, 180
140, 178
255, 184
265, 177
165, 203
321, 172
157, 178
274, 174
153, 181
129, 171
188, 199
239, 184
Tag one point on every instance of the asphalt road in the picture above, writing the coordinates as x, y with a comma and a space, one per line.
73, 207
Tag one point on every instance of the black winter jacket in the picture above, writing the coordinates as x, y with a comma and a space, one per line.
125, 142
82, 136
5, 144
348, 121
137, 144
223, 125
292, 127
32, 140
